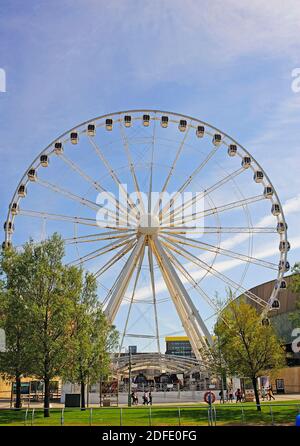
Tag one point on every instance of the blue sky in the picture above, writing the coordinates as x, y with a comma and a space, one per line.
226, 62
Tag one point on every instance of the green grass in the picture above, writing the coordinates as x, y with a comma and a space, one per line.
227, 414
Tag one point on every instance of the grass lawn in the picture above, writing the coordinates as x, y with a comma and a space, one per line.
226, 414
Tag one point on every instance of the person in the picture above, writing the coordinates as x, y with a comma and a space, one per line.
135, 399
145, 398
221, 395
230, 396
263, 393
150, 398
238, 395
270, 393
132, 397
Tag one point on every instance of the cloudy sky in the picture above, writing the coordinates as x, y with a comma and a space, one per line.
226, 62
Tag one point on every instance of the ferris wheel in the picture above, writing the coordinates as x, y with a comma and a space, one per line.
166, 211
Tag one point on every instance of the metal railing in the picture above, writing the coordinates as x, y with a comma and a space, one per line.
271, 414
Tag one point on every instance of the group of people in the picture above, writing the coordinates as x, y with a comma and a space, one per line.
265, 393
229, 397
147, 398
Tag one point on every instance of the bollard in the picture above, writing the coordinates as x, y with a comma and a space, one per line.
150, 416
91, 416
121, 416
62, 420
179, 417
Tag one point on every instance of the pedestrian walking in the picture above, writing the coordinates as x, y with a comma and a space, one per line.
221, 396
238, 395
145, 399
270, 393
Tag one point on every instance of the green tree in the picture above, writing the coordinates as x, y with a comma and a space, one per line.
51, 287
249, 348
93, 338
15, 319
295, 288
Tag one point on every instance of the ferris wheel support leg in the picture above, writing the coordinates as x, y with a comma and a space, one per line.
123, 281
184, 317
179, 293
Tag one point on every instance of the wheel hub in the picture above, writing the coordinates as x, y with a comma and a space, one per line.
148, 224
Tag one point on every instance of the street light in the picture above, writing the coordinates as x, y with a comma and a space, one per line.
129, 380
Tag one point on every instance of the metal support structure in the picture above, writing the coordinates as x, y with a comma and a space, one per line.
123, 282
186, 309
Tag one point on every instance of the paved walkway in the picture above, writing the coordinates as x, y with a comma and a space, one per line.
5, 404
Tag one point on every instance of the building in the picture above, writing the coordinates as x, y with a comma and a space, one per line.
178, 346
132, 349
288, 378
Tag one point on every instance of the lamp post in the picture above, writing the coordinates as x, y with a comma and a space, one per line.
222, 372
129, 380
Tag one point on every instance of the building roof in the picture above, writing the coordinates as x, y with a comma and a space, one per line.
286, 297
176, 338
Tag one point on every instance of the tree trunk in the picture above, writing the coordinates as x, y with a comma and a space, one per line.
47, 397
18, 404
82, 392
254, 382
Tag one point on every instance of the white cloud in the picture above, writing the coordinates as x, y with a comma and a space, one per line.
186, 35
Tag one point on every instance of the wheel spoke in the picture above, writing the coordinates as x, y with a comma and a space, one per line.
194, 283
217, 230
218, 250
213, 271
118, 256
189, 180
151, 168
131, 167
171, 171
84, 201
223, 208
90, 238
98, 252
201, 195
123, 281
114, 176
96, 185
188, 277
77, 220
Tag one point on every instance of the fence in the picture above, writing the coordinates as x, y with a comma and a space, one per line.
234, 414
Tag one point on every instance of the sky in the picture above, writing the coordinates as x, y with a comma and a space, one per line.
226, 62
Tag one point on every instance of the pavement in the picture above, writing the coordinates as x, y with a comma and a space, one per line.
158, 400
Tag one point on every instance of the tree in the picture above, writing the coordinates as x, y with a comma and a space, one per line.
93, 338
249, 348
15, 319
211, 355
295, 288
51, 287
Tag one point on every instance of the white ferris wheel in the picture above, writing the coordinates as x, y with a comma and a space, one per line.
165, 210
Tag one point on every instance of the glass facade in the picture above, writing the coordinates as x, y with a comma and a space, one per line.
179, 346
